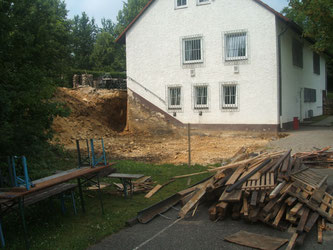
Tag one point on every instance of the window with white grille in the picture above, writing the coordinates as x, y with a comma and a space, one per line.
174, 98
181, 3
201, 97
229, 96
235, 46
199, 2
192, 50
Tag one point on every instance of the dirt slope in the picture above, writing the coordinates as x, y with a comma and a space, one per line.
102, 113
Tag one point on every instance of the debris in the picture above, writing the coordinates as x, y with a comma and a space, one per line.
278, 189
256, 240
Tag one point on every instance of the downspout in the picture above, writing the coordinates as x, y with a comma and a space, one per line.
280, 75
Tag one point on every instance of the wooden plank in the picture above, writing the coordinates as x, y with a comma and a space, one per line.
245, 207
269, 206
303, 220
245, 178
290, 200
277, 190
142, 180
235, 175
262, 197
153, 191
292, 241
236, 211
221, 209
257, 241
192, 202
296, 208
57, 179
189, 175
254, 198
279, 215
212, 213
233, 196
320, 231
311, 221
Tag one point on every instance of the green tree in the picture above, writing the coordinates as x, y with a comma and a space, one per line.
104, 53
84, 32
130, 10
316, 19
34, 50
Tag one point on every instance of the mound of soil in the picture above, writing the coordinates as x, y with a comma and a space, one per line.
94, 114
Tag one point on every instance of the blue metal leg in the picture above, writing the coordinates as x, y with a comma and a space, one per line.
73, 201
14, 172
25, 169
92, 152
104, 157
2, 238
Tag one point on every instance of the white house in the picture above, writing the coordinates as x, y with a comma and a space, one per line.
233, 64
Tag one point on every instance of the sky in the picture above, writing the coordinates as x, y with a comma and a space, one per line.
109, 8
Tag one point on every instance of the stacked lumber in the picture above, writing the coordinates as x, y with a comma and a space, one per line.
322, 158
277, 189
141, 185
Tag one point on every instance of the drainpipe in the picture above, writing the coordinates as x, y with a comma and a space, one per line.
280, 75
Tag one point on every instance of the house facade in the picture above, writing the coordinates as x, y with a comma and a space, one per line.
229, 64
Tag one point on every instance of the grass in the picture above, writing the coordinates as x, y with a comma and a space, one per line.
49, 229
330, 95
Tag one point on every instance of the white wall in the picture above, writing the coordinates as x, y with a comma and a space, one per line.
295, 79
153, 50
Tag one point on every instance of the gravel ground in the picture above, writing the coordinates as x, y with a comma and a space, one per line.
308, 138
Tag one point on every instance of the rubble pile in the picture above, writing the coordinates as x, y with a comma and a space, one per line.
278, 189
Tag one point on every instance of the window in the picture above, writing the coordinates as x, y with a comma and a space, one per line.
174, 98
200, 2
181, 3
297, 50
235, 46
309, 95
316, 63
192, 50
201, 97
229, 96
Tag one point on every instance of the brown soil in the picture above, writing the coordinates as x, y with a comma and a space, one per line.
102, 113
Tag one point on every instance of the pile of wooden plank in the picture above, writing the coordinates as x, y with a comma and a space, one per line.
277, 189
141, 185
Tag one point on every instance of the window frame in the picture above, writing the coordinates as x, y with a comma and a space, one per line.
200, 107
297, 47
203, 3
174, 107
310, 95
180, 6
223, 105
316, 67
184, 39
235, 58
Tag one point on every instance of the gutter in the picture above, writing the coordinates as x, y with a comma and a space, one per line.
280, 75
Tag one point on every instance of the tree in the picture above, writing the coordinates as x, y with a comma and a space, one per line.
84, 32
34, 51
104, 53
316, 19
130, 10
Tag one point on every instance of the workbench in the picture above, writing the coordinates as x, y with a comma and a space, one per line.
126, 180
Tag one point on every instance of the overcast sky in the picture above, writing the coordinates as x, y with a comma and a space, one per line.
109, 8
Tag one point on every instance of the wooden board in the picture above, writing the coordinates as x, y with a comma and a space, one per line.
56, 179
153, 191
233, 196
310, 177
258, 241
125, 176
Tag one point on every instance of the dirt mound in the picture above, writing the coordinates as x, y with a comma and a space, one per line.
94, 114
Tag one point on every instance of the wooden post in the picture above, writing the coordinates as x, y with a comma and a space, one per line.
189, 143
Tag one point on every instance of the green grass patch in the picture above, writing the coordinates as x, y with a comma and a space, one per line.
330, 95
49, 229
